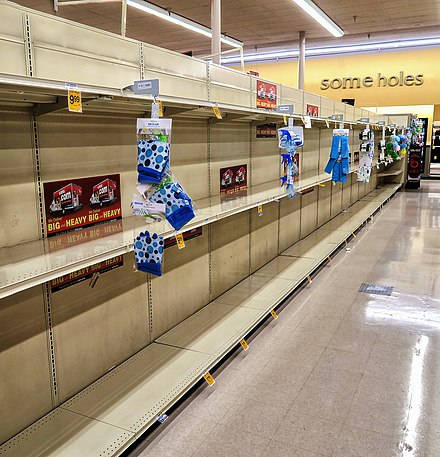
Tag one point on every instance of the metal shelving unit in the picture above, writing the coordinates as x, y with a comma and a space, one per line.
107, 416
30, 264
73, 337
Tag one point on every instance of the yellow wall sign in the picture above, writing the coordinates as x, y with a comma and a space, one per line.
74, 101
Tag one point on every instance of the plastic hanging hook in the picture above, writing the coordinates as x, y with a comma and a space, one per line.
155, 108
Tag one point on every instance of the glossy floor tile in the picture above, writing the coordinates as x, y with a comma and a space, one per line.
340, 373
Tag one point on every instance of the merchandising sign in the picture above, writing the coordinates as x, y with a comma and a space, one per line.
356, 82
85, 273
82, 202
266, 95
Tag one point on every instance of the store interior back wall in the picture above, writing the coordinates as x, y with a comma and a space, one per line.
423, 62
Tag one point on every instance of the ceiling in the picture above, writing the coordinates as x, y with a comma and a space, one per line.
261, 23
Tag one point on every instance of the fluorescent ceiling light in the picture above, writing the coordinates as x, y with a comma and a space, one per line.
349, 49
162, 13
310, 8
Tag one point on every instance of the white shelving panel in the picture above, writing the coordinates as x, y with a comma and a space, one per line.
384, 174
30, 264
104, 418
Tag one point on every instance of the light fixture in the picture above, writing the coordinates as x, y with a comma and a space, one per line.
162, 13
326, 51
320, 17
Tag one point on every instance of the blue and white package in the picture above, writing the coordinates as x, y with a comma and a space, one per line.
153, 160
179, 208
148, 251
338, 164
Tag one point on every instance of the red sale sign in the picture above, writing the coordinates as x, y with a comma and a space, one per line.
76, 203
266, 95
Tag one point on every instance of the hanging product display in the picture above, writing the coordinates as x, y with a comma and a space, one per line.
338, 164
148, 251
178, 205
159, 192
290, 139
403, 143
366, 153
153, 160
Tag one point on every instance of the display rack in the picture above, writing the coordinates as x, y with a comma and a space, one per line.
27, 265
108, 415
61, 340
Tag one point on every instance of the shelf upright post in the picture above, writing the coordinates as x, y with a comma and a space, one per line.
216, 19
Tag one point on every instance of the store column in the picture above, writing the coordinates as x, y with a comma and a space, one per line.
216, 19
302, 59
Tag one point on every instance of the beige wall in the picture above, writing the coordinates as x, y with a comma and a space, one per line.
425, 62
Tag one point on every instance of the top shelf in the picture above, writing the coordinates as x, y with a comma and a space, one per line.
44, 94
30, 264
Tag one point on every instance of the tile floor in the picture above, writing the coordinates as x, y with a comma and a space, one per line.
340, 373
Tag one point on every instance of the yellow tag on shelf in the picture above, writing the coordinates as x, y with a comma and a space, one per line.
244, 345
217, 113
354, 236
74, 101
351, 126
260, 210
159, 102
309, 279
285, 120
321, 185
274, 314
180, 241
327, 124
209, 379
330, 259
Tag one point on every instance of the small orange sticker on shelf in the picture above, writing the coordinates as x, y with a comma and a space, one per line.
244, 345
159, 102
180, 241
209, 379
217, 113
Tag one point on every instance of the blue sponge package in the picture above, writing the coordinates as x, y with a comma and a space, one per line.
148, 250
179, 209
153, 159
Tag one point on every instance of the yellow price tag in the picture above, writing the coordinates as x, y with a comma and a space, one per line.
159, 102
285, 120
354, 236
244, 345
330, 259
217, 113
351, 126
260, 210
180, 241
74, 101
209, 379
309, 279
327, 123
321, 185
274, 314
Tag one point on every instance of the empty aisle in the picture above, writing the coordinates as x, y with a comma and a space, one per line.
341, 373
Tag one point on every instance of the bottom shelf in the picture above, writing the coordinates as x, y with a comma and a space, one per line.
106, 417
